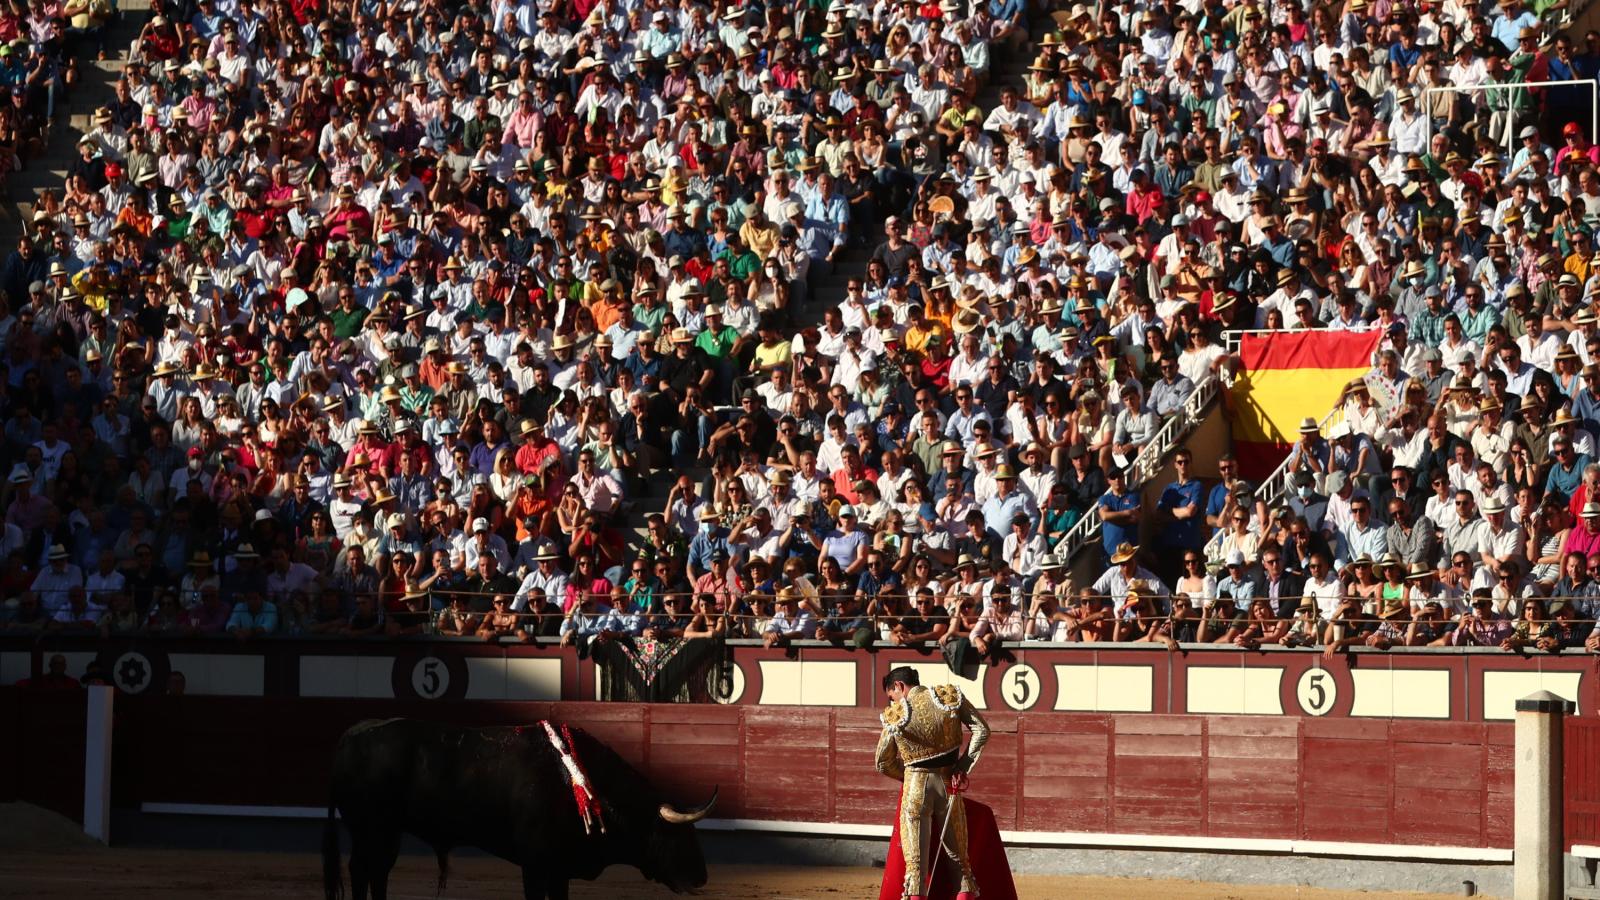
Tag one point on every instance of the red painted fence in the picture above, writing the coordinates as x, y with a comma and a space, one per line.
1377, 781
41, 748
1581, 780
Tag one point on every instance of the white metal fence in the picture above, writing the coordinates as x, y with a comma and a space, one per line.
1509, 123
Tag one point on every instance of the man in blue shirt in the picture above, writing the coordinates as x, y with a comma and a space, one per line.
877, 579
1119, 513
1217, 500
1507, 28
1006, 504
1180, 511
1237, 582
253, 616
710, 539
680, 239
1008, 26
846, 621
1567, 464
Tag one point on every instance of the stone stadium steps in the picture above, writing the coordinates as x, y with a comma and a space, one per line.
74, 116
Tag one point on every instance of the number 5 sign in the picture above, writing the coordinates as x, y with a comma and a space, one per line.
430, 678
1019, 687
1316, 691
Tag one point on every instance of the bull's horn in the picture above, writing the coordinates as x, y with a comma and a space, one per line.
688, 818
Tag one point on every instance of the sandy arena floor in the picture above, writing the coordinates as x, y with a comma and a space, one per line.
46, 857
97, 874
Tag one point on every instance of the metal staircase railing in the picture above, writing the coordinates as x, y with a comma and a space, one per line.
1275, 487
1148, 462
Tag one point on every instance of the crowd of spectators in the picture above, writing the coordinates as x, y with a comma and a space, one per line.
43, 46
401, 319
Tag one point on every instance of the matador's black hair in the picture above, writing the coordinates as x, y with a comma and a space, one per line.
901, 673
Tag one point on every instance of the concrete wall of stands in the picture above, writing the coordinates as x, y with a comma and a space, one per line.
1303, 779
1474, 686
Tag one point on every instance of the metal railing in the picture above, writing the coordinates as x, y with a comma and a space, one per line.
1148, 462
1233, 337
1275, 487
1509, 135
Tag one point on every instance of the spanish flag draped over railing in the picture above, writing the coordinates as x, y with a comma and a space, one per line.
1286, 377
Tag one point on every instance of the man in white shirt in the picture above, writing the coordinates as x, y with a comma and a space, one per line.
1322, 585
1539, 347
1500, 541
1409, 128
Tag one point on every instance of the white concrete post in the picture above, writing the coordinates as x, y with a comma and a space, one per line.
97, 765
1538, 873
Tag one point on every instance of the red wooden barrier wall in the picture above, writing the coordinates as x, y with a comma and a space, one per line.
41, 748
1581, 780
1371, 781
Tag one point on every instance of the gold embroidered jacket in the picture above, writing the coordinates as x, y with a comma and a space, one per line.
926, 724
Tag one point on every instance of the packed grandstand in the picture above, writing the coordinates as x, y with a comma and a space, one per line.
872, 323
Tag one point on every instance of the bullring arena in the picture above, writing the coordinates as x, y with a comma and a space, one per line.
913, 449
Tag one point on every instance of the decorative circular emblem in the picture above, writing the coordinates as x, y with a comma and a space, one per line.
735, 685
132, 672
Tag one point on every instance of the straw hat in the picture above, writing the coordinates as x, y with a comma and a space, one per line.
1124, 552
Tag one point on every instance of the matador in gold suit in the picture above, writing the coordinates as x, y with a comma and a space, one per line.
921, 746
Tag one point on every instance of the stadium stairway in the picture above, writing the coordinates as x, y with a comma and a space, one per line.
74, 116
1150, 470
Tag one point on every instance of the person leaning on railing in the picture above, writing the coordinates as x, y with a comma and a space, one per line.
1182, 626
457, 619
1482, 627
500, 622
1261, 626
1349, 626
790, 622
1001, 622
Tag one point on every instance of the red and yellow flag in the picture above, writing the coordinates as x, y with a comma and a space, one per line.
1287, 376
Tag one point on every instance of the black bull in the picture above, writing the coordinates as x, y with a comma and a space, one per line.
505, 791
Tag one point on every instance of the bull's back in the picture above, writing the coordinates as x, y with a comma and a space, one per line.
371, 767
448, 785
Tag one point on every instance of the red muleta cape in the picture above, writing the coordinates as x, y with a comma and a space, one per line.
987, 854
